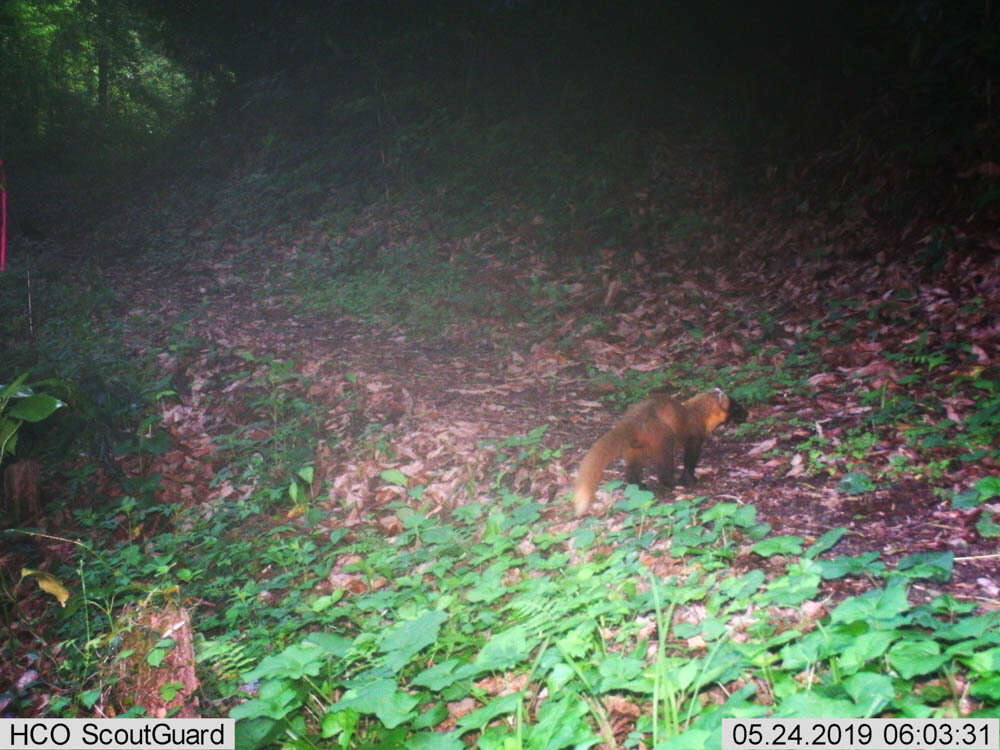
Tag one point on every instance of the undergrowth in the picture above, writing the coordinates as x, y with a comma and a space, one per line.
551, 635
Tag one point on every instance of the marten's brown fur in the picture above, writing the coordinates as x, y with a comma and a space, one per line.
650, 434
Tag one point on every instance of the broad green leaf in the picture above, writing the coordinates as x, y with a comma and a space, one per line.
440, 536
585, 536
578, 642
967, 500
14, 388
684, 593
988, 488
293, 663
720, 511
813, 647
431, 716
323, 603
714, 627
757, 530
912, 707
413, 635
826, 542
504, 650
723, 665
438, 677
489, 584
746, 516
988, 689
8, 434
681, 677
340, 724
966, 649
501, 706
744, 586
619, 672
693, 538
89, 697
937, 566
276, 700
382, 698
798, 585
559, 676
738, 706
170, 690
446, 673
968, 627
561, 723
856, 483
864, 648
798, 655
951, 606
985, 662
864, 564
916, 657
987, 527
881, 604
498, 738
871, 692
156, 655
779, 545
34, 408
394, 476
331, 643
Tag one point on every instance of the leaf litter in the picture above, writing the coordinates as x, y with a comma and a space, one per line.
776, 285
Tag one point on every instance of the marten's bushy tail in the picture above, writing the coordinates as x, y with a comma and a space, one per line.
609, 447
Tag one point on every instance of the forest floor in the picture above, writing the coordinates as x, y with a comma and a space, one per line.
333, 375
860, 320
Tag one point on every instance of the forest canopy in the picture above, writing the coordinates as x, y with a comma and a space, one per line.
86, 78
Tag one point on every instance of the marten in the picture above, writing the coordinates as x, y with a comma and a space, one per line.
650, 434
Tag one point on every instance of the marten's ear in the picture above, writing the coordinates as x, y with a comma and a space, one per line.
722, 398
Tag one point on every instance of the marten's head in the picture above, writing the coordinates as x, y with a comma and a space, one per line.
716, 408
735, 411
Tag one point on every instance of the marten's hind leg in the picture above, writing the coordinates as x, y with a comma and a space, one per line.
692, 452
665, 463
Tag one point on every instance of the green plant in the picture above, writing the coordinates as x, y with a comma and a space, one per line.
20, 403
984, 490
920, 354
858, 445
525, 452
300, 486
482, 611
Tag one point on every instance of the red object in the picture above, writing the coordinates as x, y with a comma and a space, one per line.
3, 219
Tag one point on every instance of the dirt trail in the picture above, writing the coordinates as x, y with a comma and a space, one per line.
440, 403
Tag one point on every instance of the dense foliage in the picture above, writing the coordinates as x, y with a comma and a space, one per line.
103, 75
